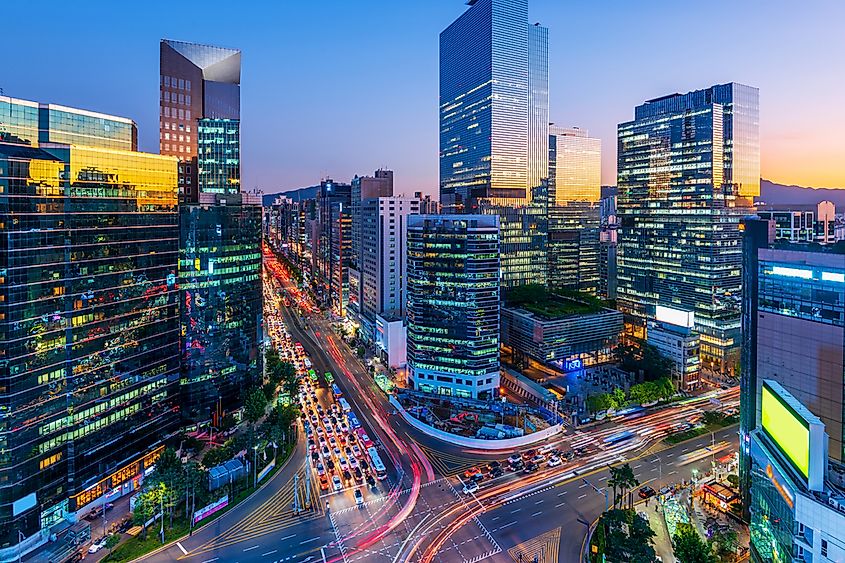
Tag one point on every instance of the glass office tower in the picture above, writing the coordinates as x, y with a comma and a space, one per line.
574, 212
220, 284
494, 109
196, 82
453, 304
89, 330
688, 168
220, 228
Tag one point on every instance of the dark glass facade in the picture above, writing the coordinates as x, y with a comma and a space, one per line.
688, 166
89, 353
219, 156
453, 304
220, 283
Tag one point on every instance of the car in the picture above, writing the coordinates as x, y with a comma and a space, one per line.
371, 482
343, 463
478, 477
530, 467
353, 462
497, 472
315, 457
330, 464
344, 427
546, 450
326, 451
97, 545
359, 497
554, 461
647, 492
322, 440
347, 475
493, 465
332, 441
356, 473
336, 483
538, 459
517, 466
515, 458
348, 451
528, 454
312, 445
336, 451
364, 464
321, 469
569, 456
356, 451
470, 487
471, 471
125, 525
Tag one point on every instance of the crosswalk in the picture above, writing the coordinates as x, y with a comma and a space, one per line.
273, 515
541, 549
446, 464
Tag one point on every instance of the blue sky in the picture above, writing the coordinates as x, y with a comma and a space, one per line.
339, 87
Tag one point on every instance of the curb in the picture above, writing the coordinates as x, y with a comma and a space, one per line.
177, 540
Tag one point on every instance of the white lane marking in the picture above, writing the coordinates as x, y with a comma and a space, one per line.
563, 493
309, 541
582, 496
537, 513
251, 548
287, 537
539, 502
559, 505
210, 560
672, 472
654, 468
506, 525
638, 466
582, 485
182, 549
269, 553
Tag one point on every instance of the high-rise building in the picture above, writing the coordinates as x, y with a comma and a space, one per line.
453, 304
89, 325
220, 228
494, 107
688, 168
574, 193
384, 258
608, 244
793, 333
332, 244
200, 86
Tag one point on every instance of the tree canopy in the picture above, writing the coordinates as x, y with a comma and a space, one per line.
689, 547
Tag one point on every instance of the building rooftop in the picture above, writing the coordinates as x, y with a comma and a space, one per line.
535, 299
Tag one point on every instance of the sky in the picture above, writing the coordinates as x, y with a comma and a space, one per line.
334, 88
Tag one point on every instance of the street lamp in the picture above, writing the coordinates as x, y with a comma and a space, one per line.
600, 491
255, 466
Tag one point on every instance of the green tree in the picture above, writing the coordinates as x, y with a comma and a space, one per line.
228, 422
168, 476
724, 544
689, 547
618, 398
629, 538
599, 402
733, 479
665, 388
216, 456
112, 541
255, 404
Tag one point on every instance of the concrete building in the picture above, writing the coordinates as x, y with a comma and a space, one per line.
674, 336
383, 258
560, 330
802, 223
392, 340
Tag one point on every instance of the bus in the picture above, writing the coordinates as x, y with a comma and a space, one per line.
344, 405
378, 466
329, 377
366, 443
312, 375
619, 437
336, 391
353, 420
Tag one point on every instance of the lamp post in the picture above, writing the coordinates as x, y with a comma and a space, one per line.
599, 491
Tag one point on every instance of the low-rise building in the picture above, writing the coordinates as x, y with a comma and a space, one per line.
559, 329
392, 339
673, 336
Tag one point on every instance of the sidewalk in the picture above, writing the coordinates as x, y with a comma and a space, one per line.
662, 541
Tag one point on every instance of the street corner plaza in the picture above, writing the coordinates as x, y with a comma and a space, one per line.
411, 524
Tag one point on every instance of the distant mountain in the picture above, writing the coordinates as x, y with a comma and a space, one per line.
772, 193
296, 195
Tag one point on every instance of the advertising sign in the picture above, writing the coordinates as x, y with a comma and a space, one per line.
210, 509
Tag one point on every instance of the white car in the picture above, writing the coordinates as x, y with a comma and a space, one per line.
336, 483
359, 498
97, 545
343, 464
554, 461
470, 487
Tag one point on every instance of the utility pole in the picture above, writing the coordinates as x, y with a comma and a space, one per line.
296, 507
307, 485
161, 497
599, 491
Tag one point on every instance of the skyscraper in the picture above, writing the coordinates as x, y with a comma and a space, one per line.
494, 108
89, 325
574, 213
688, 168
453, 304
200, 87
793, 333
220, 228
